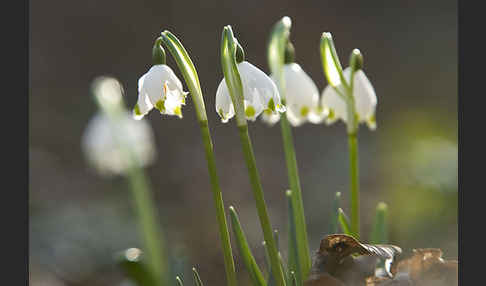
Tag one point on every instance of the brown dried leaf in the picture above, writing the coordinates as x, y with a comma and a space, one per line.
323, 280
399, 280
335, 258
426, 267
344, 245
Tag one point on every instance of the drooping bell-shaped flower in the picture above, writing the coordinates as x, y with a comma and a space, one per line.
301, 98
364, 99
106, 142
259, 91
159, 88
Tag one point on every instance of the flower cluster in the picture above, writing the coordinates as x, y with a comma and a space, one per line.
160, 88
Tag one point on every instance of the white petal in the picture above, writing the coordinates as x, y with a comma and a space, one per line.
334, 104
302, 95
103, 138
270, 117
365, 97
143, 107
173, 102
294, 119
318, 116
257, 83
253, 105
224, 105
152, 82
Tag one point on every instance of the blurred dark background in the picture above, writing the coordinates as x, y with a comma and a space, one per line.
79, 220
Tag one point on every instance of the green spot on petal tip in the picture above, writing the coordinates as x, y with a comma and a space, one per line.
331, 114
136, 110
271, 104
250, 111
178, 111
304, 111
160, 105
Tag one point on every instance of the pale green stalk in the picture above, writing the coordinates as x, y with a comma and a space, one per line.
192, 80
294, 182
109, 98
147, 215
352, 124
354, 182
335, 77
261, 206
235, 88
276, 58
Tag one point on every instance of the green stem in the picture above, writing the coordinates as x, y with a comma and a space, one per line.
147, 215
353, 172
218, 201
294, 182
260, 204
189, 73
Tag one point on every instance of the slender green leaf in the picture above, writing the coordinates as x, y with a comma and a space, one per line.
276, 48
248, 259
132, 264
284, 270
293, 279
330, 62
270, 278
333, 226
279, 39
293, 259
197, 278
276, 237
233, 81
379, 233
344, 222
179, 281
188, 71
231, 73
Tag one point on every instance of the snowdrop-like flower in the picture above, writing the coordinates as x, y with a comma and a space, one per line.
103, 138
364, 99
301, 98
159, 88
259, 91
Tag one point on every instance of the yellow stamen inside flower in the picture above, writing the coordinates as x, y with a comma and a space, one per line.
165, 88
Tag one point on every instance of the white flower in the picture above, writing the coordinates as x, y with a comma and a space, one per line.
103, 138
364, 98
159, 88
259, 91
301, 98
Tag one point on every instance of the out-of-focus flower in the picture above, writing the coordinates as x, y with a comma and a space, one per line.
159, 88
301, 98
364, 99
105, 142
259, 91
